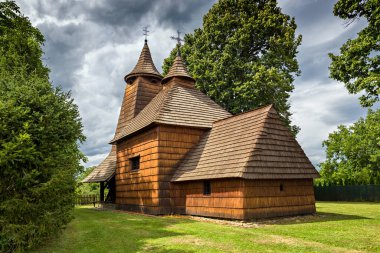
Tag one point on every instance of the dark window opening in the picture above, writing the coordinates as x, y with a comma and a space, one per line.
135, 163
206, 187
281, 188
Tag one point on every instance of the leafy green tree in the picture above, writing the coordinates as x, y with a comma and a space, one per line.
358, 64
86, 188
20, 42
353, 153
40, 132
244, 56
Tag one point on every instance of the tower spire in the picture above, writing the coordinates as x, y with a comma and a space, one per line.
178, 69
145, 65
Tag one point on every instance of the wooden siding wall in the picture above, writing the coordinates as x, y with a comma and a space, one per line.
174, 144
136, 96
263, 198
245, 199
138, 190
225, 201
160, 149
147, 90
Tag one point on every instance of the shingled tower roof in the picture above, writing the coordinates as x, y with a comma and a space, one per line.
178, 69
144, 66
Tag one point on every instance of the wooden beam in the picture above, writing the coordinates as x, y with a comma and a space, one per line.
102, 192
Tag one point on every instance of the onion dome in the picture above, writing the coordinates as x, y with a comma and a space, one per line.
144, 66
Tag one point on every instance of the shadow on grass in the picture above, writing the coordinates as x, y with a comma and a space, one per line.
114, 231
317, 217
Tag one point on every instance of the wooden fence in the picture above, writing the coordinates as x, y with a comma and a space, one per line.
87, 199
348, 193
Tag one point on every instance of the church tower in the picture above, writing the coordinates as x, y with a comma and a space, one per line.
143, 84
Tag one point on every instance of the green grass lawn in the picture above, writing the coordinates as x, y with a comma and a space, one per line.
338, 227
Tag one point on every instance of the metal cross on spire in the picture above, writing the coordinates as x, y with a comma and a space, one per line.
178, 39
146, 32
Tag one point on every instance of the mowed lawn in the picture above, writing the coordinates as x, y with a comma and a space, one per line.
338, 227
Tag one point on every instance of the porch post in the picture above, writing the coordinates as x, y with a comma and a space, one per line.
101, 192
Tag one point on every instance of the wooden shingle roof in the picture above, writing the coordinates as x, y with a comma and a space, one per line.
144, 66
178, 69
252, 145
105, 170
176, 105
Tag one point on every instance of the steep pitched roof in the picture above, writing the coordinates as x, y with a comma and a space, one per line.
105, 170
253, 145
178, 69
176, 105
144, 66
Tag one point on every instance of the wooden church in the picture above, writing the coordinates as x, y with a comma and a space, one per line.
175, 151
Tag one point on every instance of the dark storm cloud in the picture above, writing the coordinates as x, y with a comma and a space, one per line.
322, 33
63, 51
61, 9
99, 22
308, 13
121, 13
314, 60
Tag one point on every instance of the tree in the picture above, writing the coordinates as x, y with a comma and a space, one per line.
244, 56
20, 42
358, 64
86, 188
40, 132
353, 153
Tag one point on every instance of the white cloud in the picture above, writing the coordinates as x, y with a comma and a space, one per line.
318, 109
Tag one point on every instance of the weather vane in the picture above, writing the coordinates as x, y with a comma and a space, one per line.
146, 32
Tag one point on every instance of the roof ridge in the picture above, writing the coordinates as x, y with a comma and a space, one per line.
260, 132
270, 106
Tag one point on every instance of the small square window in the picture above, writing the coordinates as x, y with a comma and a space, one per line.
206, 187
135, 163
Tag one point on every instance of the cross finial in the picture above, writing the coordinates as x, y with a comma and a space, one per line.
146, 32
178, 39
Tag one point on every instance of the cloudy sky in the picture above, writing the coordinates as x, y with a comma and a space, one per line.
91, 45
